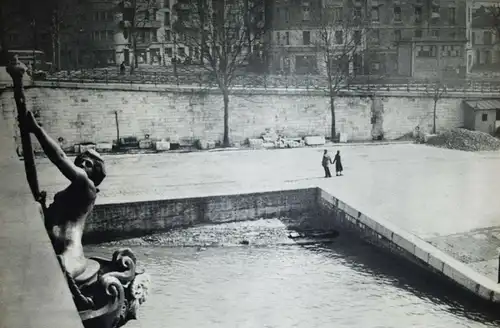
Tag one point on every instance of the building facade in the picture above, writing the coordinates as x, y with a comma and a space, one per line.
415, 38
483, 47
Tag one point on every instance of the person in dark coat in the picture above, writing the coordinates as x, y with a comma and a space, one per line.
338, 164
325, 162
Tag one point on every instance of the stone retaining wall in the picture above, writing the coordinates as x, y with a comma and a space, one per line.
122, 220
86, 113
386, 235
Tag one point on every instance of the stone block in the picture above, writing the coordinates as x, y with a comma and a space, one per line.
256, 143
84, 148
201, 144
315, 140
211, 144
104, 146
404, 243
421, 254
145, 144
428, 136
162, 145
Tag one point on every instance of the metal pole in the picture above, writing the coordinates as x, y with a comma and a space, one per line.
16, 70
498, 280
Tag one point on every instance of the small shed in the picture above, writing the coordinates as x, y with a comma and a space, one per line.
482, 115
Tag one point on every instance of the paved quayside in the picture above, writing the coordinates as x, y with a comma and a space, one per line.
435, 194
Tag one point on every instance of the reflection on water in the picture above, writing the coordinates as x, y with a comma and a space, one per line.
344, 284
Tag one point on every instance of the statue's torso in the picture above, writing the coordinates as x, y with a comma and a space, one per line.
65, 221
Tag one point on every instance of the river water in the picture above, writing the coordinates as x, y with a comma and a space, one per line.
275, 282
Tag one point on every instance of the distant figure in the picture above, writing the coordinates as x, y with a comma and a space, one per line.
325, 162
122, 68
338, 164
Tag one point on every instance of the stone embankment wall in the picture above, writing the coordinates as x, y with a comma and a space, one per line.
86, 113
122, 220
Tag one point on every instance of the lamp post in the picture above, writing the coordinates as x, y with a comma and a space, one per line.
33, 26
80, 32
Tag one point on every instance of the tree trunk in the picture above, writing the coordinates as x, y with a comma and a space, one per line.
434, 117
332, 110
133, 52
225, 142
58, 49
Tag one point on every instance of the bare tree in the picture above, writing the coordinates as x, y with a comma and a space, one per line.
341, 44
217, 31
138, 15
493, 12
435, 89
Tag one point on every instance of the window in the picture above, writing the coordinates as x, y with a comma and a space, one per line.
96, 16
375, 36
154, 37
375, 14
287, 38
487, 57
452, 17
337, 14
339, 38
168, 35
418, 14
95, 35
436, 13
435, 33
418, 33
473, 37
397, 35
286, 14
484, 117
487, 39
357, 37
426, 51
306, 13
166, 19
278, 38
497, 115
181, 51
169, 52
357, 13
109, 35
375, 67
306, 37
397, 14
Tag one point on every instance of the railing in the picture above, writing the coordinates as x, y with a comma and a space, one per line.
198, 78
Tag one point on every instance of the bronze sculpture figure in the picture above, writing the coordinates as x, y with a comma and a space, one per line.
106, 293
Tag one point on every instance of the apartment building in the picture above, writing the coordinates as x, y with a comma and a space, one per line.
103, 33
406, 38
483, 47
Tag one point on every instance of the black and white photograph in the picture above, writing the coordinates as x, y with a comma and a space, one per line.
249, 163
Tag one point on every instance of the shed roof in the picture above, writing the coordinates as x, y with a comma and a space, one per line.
484, 104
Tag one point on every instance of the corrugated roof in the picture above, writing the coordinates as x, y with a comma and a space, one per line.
484, 104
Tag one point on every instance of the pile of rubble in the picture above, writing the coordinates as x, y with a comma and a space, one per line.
466, 140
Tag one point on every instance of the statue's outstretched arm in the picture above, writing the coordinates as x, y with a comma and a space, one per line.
53, 150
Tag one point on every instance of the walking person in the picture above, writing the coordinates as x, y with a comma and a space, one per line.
325, 162
338, 164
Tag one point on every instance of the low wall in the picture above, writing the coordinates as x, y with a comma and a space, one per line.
384, 234
122, 220
86, 113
